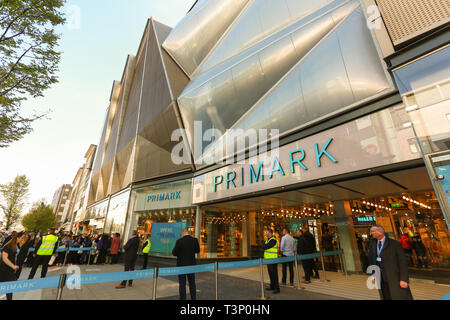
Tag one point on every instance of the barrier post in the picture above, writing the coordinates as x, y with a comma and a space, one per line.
297, 272
323, 268
89, 258
155, 280
62, 283
263, 297
65, 257
216, 270
343, 265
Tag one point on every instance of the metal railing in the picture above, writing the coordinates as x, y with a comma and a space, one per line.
60, 282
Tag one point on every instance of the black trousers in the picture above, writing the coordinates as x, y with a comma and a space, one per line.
128, 268
192, 287
273, 276
291, 271
40, 260
384, 291
308, 268
145, 261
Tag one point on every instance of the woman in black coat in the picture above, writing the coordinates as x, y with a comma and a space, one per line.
393, 265
26, 243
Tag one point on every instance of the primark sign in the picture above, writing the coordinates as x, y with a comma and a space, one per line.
340, 150
164, 196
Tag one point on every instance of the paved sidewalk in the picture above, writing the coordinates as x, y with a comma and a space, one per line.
230, 288
234, 284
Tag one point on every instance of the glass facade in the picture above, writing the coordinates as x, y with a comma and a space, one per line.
425, 88
115, 219
162, 211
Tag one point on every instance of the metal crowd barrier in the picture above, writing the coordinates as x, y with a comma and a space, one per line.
93, 278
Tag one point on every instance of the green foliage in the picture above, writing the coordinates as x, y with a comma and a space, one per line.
28, 59
40, 218
13, 196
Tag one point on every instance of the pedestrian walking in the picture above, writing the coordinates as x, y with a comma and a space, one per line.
24, 243
185, 249
287, 250
146, 249
307, 245
44, 251
8, 265
270, 248
390, 257
115, 243
131, 249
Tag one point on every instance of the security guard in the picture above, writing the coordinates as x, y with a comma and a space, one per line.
44, 251
146, 250
270, 248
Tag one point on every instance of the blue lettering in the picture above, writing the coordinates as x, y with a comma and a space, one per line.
178, 195
275, 160
231, 180
256, 176
216, 183
298, 161
324, 151
242, 176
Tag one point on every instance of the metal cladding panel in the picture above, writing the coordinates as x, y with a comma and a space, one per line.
195, 35
128, 131
112, 140
222, 97
406, 19
99, 156
155, 91
262, 19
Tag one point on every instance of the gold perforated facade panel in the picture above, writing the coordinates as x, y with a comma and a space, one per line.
406, 19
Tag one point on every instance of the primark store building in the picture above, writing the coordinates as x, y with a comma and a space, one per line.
254, 114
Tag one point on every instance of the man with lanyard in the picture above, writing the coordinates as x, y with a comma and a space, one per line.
270, 248
388, 255
146, 250
44, 251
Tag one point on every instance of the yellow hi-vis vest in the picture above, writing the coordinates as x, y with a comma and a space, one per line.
47, 246
147, 246
271, 253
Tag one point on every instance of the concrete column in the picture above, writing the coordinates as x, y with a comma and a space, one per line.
245, 236
347, 236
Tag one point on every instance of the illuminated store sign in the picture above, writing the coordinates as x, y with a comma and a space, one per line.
256, 173
164, 196
315, 158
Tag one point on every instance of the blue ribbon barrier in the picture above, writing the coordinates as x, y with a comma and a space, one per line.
185, 270
92, 278
28, 285
238, 264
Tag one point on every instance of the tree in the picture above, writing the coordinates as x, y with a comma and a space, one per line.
13, 195
40, 218
28, 60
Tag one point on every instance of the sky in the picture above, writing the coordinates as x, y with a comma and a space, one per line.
95, 43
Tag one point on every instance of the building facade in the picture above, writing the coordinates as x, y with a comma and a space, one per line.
329, 138
59, 202
75, 209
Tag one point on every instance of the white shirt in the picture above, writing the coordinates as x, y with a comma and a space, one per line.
287, 245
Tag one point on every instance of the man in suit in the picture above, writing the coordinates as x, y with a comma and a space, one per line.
389, 256
185, 249
130, 257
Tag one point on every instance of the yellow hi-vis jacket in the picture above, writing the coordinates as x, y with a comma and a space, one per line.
271, 253
48, 245
147, 246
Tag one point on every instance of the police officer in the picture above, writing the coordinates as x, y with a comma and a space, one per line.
146, 250
270, 248
44, 251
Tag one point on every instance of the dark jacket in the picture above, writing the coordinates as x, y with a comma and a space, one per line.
131, 249
23, 253
394, 267
306, 243
185, 250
